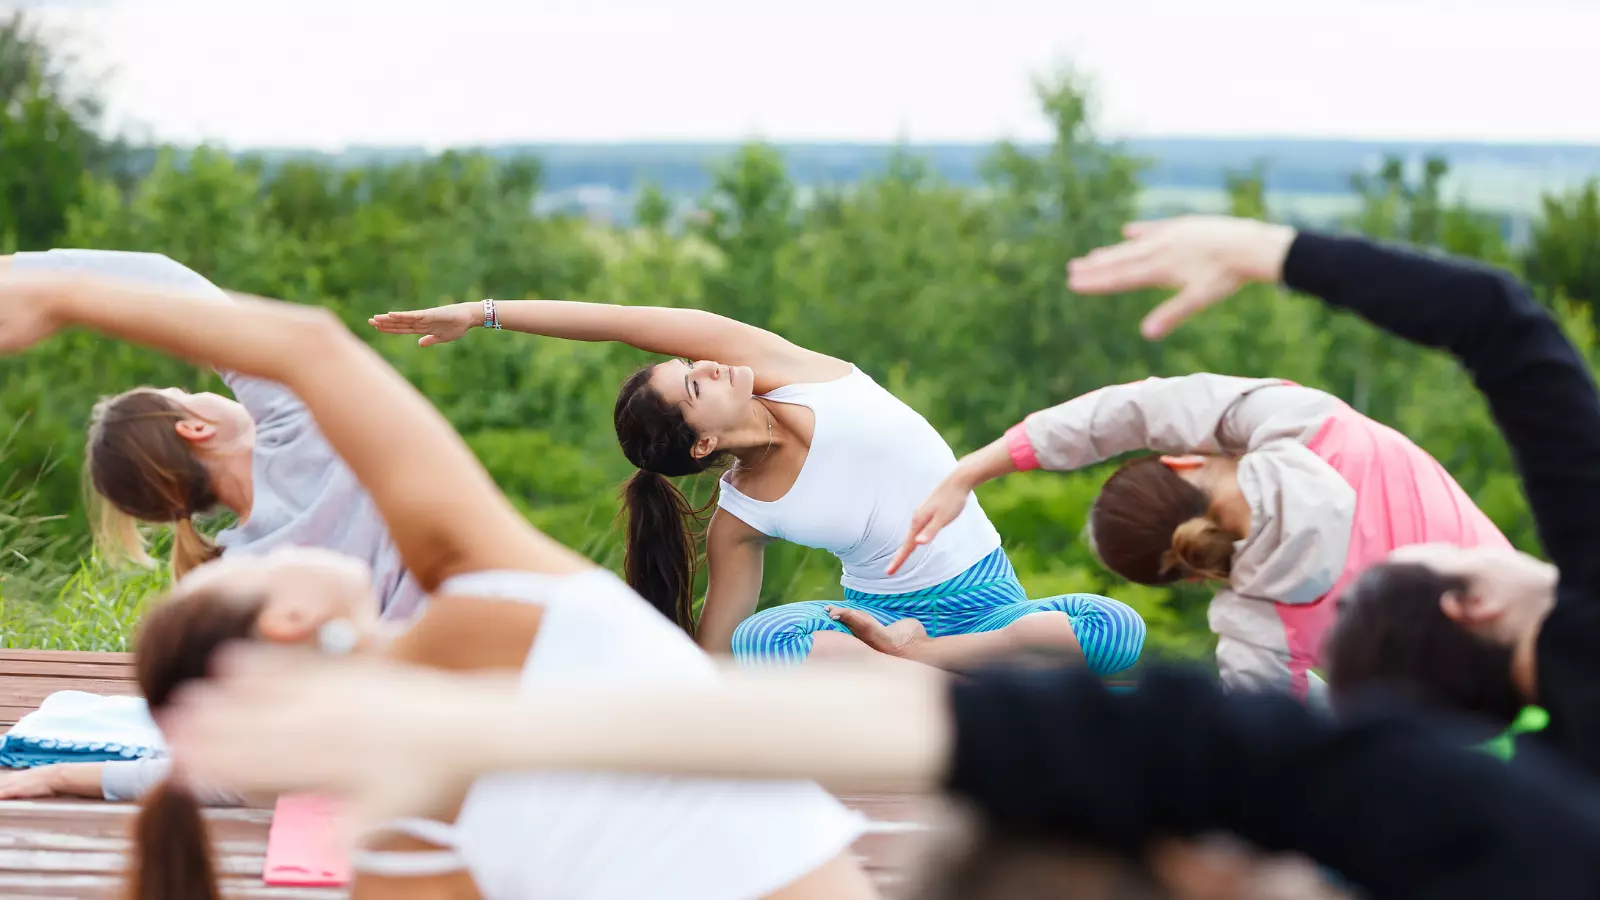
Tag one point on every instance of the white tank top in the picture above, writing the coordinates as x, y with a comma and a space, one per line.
578, 836
873, 460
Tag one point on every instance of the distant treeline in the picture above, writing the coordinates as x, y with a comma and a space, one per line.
1289, 166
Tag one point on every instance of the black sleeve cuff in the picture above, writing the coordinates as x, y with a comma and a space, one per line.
1312, 265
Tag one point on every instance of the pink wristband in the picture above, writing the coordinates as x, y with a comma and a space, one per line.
1021, 448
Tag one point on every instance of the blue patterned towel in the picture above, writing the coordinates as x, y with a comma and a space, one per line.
74, 726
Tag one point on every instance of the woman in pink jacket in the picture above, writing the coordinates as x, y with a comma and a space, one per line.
1283, 492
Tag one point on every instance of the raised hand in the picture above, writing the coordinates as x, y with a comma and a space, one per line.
439, 325
1206, 258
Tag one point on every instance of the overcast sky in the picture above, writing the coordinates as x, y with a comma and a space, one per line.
331, 72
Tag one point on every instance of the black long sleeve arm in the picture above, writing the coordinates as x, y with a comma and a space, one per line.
1391, 803
1538, 386
1544, 400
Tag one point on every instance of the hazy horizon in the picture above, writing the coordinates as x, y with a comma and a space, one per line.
693, 142
329, 74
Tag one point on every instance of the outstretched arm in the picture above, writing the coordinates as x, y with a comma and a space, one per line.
1538, 386
1017, 743
1200, 413
1544, 399
444, 512
57, 780
691, 334
118, 780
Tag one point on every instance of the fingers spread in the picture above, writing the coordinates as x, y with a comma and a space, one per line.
1170, 314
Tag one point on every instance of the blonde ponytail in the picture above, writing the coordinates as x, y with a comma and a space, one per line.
1201, 548
117, 536
190, 548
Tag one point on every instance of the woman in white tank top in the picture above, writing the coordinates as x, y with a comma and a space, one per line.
505, 598
819, 454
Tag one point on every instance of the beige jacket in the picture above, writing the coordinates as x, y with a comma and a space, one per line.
1301, 509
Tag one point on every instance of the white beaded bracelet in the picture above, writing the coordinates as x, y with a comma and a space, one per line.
337, 637
490, 320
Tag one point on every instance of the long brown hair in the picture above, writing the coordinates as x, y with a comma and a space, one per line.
1151, 526
662, 553
172, 857
137, 469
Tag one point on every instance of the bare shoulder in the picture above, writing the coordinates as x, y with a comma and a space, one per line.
728, 530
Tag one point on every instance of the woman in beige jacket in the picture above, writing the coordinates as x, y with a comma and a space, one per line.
1282, 492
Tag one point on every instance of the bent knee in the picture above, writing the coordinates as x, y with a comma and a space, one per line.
829, 644
1045, 628
779, 633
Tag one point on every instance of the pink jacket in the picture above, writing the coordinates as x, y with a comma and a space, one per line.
1330, 491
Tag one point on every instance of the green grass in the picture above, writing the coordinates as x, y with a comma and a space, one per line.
48, 603
91, 608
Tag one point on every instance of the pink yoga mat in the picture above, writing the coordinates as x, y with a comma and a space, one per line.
303, 848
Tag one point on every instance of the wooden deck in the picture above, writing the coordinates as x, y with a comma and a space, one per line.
67, 848
29, 676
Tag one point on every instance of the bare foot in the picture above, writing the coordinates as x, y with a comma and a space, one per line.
896, 639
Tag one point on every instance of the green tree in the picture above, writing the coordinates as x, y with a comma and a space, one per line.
48, 138
1563, 257
749, 217
1247, 192
954, 299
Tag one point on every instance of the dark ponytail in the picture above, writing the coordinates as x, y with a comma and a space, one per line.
172, 857
661, 557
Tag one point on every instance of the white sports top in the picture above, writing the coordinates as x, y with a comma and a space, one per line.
872, 462
581, 836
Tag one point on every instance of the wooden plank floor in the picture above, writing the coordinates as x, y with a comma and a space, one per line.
68, 848
29, 676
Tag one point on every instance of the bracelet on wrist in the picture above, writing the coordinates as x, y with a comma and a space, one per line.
490, 319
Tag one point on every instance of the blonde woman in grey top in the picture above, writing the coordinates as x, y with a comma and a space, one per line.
164, 455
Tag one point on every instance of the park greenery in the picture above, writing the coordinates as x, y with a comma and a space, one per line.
952, 297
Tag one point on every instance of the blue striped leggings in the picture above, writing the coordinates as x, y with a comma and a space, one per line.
986, 597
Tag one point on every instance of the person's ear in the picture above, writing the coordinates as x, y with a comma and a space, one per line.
195, 431
287, 622
704, 447
1470, 610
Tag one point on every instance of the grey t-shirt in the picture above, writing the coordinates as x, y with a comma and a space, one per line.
304, 493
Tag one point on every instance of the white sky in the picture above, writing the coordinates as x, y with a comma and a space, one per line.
330, 72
